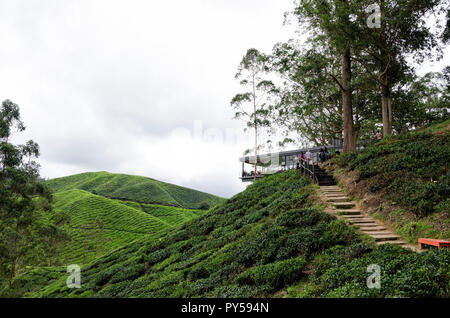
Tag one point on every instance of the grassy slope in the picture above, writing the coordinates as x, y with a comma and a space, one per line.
271, 239
134, 188
405, 181
122, 223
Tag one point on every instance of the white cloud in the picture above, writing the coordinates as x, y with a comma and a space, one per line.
102, 85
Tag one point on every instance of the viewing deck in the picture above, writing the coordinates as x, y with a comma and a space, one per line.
275, 162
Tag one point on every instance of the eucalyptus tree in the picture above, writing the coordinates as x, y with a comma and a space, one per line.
23, 198
421, 101
446, 33
383, 50
309, 103
310, 98
255, 103
332, 20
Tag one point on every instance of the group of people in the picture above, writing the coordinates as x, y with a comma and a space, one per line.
323, 154
307, 157
250, 174
303, 157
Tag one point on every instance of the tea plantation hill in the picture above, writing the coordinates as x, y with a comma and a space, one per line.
99, 223
135, 188
404, 181
273, 239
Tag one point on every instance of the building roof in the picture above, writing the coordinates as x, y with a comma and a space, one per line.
282, 154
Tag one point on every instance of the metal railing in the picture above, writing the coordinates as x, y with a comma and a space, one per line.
309, 170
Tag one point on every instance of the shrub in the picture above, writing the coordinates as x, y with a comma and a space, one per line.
274, 275
204, 206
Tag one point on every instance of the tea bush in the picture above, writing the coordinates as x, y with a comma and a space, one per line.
258, 243
411, 169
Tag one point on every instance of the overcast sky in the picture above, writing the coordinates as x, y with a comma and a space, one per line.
136, 87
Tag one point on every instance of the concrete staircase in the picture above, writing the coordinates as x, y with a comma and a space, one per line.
342, 207
324, 178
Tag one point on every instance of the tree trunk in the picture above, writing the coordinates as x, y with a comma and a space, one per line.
385, 86
386, 107
347, 108
256, 127
13, 272
15, 257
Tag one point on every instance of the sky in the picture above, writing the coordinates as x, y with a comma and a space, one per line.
135, 87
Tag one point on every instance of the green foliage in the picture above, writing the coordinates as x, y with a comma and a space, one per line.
134, 188
257, 243
274, 275
412, 169
342, 272
24, 202
195, 260
121, 222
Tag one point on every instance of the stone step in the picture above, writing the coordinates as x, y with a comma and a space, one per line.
337, 195
344, 205
371, 228
338, 199
378, 233
385, 237
349, 212
362, 220
374, 224
397, 242
353, 217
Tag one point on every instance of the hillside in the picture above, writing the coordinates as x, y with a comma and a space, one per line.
134, 188
404, 181
273, 239
101, 222
98, 225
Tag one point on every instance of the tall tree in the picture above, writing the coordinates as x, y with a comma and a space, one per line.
23, 198
383, 50
309, 103
333, 20
253, 105
310, 99
18, 187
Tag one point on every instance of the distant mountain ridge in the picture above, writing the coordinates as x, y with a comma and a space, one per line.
135, 188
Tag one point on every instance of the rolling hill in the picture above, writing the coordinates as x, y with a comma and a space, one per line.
271, 240
135, 188
98, 224
108, 210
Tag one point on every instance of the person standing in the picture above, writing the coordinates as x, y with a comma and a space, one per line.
325, 150
297, 162
322, 155
379, 136
308, 156
302, 160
